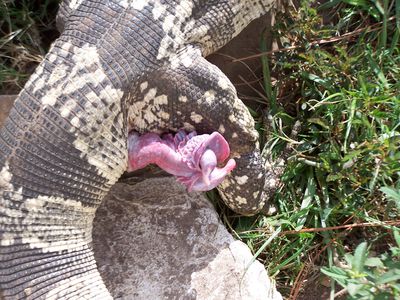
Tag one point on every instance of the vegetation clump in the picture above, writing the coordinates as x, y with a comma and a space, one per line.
337, 70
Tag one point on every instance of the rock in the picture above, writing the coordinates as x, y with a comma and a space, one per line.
153, 240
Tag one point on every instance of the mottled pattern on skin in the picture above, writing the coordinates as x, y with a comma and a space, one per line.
118, 66
201, 83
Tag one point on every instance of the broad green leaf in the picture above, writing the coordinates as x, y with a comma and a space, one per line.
396, 235
335, 272
325, 83
354, 288
360, 255
374, 262
391, 193
391, 275
349, 258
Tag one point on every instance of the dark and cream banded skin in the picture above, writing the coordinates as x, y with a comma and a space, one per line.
118, 66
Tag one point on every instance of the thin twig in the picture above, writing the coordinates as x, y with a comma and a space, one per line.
340, 293
348, 35
349, 226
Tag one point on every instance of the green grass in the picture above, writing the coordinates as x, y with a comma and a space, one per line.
341, 186
339, 200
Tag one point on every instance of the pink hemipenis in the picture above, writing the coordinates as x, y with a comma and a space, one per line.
192, 158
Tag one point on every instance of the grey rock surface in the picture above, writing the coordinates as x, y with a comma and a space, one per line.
153, 240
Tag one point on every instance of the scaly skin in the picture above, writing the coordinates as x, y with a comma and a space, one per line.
118, 66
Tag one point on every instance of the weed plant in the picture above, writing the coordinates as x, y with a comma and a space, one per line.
336, 70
